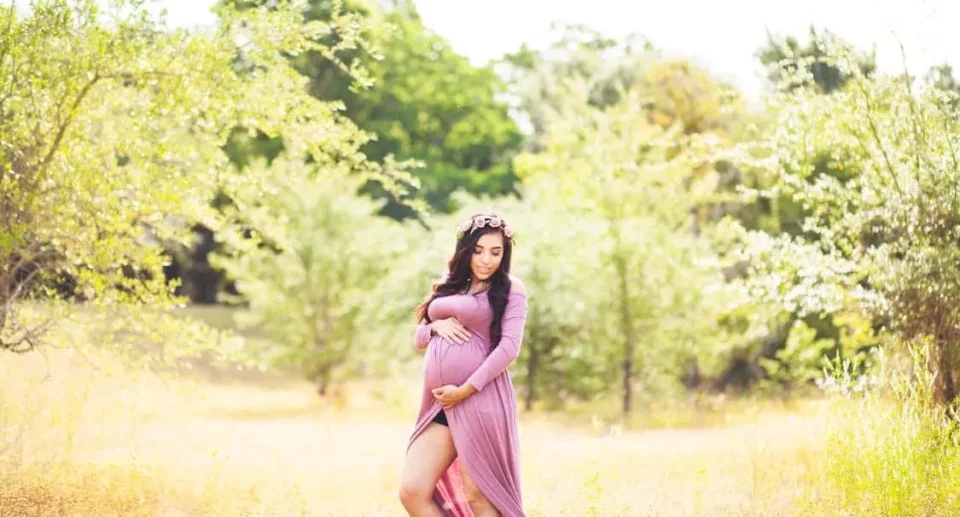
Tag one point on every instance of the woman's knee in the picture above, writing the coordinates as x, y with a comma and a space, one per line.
414, 494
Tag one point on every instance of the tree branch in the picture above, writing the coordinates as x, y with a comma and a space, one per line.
66, 124
876, 136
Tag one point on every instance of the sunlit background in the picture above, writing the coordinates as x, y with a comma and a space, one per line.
721, 37
738, 224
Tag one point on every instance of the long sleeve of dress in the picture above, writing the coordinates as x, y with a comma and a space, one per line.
422, 336
511, 336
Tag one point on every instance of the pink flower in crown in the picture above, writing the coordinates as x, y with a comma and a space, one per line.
495, 222
479, 221
465, 227
507, 231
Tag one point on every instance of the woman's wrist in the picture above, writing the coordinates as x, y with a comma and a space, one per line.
467, 389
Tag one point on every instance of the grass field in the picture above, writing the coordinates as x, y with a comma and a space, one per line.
78, 443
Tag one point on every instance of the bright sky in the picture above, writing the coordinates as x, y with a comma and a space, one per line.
721, 36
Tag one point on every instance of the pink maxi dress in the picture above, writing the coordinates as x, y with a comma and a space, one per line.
484, 425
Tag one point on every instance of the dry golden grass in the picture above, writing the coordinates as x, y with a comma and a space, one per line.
81, 444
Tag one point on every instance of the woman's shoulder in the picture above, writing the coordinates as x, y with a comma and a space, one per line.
516, 286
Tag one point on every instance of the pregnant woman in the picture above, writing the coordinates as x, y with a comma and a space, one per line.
463, 457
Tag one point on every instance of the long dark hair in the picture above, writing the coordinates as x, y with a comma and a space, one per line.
459, 275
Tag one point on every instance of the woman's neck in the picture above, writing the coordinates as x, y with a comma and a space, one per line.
476, 286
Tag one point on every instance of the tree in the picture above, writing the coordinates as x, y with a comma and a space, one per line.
620, 174
790, 67
416, 96
538, 79
941, 78
312, 257
792, 64
562, 357
886, 236
112, 131
422, 100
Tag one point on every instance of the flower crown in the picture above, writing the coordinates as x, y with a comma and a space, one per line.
479, 221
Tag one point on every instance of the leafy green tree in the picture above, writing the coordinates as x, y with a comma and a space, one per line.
618, 172
885, 236
562, 358
310, 264
791, 64
111, 136
706, 116
413, 93
539, 79
421, 99
941, 78
681, 93
674, 92
802, 357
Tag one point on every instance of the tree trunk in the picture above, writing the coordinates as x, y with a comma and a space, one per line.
627, 378
629, 338
945, 389
940, 358
691, 374
321, 343
17, 272
323, 381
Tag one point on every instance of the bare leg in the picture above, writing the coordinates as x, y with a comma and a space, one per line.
427, 459
481, 506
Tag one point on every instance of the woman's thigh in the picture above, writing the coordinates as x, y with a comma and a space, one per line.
427, 458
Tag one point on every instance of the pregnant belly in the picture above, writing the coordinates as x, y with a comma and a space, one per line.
452, 363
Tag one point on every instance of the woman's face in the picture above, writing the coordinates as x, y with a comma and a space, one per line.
487, 255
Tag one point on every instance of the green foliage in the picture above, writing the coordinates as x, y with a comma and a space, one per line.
119, 136
564, 357
309, 256
421, 99
802, 358
791, 65
657, 286
676, 91
112, 130
941, 78
683, 94
885, 234
539, 80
